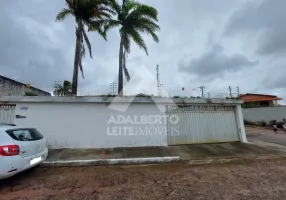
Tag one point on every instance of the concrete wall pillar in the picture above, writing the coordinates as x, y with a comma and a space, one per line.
240, 123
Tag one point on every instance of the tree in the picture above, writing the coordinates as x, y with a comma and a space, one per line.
87, 13
133, 18
63, 90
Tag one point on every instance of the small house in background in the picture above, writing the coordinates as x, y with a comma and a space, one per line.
259, 100
11, 87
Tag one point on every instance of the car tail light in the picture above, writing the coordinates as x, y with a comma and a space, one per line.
9, 150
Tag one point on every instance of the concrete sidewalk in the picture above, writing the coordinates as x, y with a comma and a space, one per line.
147, 155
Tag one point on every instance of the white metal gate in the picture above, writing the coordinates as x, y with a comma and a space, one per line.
7, 113
201, 124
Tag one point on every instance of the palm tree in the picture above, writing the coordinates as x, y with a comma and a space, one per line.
87, 13
63, 90
133, 18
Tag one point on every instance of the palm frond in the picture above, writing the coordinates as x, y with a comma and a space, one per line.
137, 38
81, 68
139, 22
71, 4
113, 4
111, 24
98, 26
107, 10
82, 55
63, 89
87, 41
148, 30
126, 42
126, 73
129, 5
142, 11
63, 14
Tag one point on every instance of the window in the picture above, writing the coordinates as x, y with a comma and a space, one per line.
36, 135
25, 134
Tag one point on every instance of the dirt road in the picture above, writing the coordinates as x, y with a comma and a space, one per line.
263, 180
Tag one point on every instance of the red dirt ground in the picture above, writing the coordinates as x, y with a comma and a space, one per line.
261, 180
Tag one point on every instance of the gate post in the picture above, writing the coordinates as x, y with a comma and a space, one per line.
240, 123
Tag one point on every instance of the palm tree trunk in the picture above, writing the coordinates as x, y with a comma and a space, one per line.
120, 70
76, 62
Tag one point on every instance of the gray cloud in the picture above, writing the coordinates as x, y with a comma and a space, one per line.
215, 62
36, 49
265, 21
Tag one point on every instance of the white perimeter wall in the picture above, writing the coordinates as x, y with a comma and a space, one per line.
265, 114
85, 125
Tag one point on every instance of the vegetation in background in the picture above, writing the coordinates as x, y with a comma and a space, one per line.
247, 122
264, 123
133, 19
144, 95
30, 93
272, 122
108, 95
92, 14
63, 89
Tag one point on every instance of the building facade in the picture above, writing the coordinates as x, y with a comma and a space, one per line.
105, 122
259, 100
11, 87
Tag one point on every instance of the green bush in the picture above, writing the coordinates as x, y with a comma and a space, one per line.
272, 122
29, 93
108, 95
143, 95
280, 125
261, 123
247, 122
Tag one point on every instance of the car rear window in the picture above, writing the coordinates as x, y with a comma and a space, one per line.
25, 134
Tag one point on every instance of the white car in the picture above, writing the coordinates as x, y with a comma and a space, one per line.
20, 149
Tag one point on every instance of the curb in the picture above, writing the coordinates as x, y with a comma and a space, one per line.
161, 160
104, 162
237, 160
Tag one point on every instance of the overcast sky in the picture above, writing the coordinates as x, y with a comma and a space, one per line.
202, 42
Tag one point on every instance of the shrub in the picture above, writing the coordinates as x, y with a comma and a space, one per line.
143, 95
272, 122
261, 123
280, 125
108, 95
247, 122
29, 93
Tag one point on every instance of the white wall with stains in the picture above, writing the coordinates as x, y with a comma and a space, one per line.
265, 114
102, 122
93, 125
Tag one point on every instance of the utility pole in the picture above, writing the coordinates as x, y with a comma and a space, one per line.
161, 90
113, 87
202, 88
159, 85
230, 91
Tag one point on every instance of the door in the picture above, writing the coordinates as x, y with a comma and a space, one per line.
202, 124
7, 113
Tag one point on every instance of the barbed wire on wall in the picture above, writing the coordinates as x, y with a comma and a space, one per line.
110, 90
